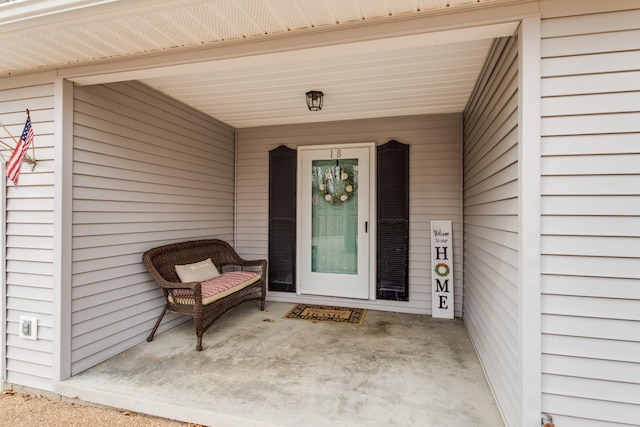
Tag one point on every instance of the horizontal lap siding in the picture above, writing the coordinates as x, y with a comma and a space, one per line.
29, 237
491, 225
590, 224
434, 189
147, 171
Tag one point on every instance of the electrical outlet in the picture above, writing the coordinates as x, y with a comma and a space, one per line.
29, 327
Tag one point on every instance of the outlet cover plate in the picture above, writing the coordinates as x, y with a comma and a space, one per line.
29, 327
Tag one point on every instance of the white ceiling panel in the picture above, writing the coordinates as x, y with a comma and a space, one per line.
419, 74
415, 80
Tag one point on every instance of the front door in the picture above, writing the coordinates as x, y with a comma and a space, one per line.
334, 221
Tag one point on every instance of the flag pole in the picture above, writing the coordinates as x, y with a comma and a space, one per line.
4, 160
12, 137
33, 148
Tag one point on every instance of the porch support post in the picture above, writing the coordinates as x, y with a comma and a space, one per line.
3, 281
63, 152
529, 298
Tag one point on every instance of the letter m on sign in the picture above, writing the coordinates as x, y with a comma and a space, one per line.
442, 287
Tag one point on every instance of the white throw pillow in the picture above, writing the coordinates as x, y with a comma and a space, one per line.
197, 272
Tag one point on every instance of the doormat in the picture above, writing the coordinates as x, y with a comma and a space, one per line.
321, 313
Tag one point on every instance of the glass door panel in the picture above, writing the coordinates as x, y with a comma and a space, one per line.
334, 216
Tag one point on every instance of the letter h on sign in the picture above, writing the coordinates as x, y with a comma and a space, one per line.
441, 251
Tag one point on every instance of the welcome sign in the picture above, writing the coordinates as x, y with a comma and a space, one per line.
442, 269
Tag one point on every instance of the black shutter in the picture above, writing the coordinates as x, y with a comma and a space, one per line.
393, 221
282, 219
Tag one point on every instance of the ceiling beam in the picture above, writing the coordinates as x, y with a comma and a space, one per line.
493, 18
302, 55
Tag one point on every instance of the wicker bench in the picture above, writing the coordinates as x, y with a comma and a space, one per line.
206, 300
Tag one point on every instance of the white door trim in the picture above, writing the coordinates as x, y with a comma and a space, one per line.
372, 209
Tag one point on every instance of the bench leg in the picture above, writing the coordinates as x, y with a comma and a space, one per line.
155, 328
199, 345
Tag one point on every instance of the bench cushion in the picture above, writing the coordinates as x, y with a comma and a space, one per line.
220, 287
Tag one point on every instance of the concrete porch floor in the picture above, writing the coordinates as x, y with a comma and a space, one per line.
258, 369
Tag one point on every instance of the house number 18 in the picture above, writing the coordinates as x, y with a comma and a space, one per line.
338, 153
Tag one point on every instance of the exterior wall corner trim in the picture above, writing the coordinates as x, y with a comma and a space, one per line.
529, 219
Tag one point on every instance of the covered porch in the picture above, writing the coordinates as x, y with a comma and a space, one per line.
258, 369
156, 156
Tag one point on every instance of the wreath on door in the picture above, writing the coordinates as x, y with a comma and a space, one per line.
337, 186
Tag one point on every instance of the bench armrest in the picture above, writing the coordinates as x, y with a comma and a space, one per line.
255, 266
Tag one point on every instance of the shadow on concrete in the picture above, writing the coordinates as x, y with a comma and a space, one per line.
258, 369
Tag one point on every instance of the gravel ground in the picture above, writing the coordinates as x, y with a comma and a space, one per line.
23, 410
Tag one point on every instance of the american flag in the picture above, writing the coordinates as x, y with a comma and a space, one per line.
15, 161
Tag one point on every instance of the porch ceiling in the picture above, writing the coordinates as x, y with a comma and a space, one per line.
378, 76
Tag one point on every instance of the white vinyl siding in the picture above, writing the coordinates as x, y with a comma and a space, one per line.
147, 171
29, 236
491, 225
434, 190
591, 219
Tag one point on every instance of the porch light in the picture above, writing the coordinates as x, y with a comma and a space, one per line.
314, 100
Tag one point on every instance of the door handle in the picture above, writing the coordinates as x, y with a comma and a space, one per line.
366, 226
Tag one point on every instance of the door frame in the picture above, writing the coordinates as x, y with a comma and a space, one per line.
372, 210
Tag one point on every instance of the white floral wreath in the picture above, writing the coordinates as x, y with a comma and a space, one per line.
336, 197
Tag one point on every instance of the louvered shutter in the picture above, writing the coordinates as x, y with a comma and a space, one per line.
282, 219
393, 221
